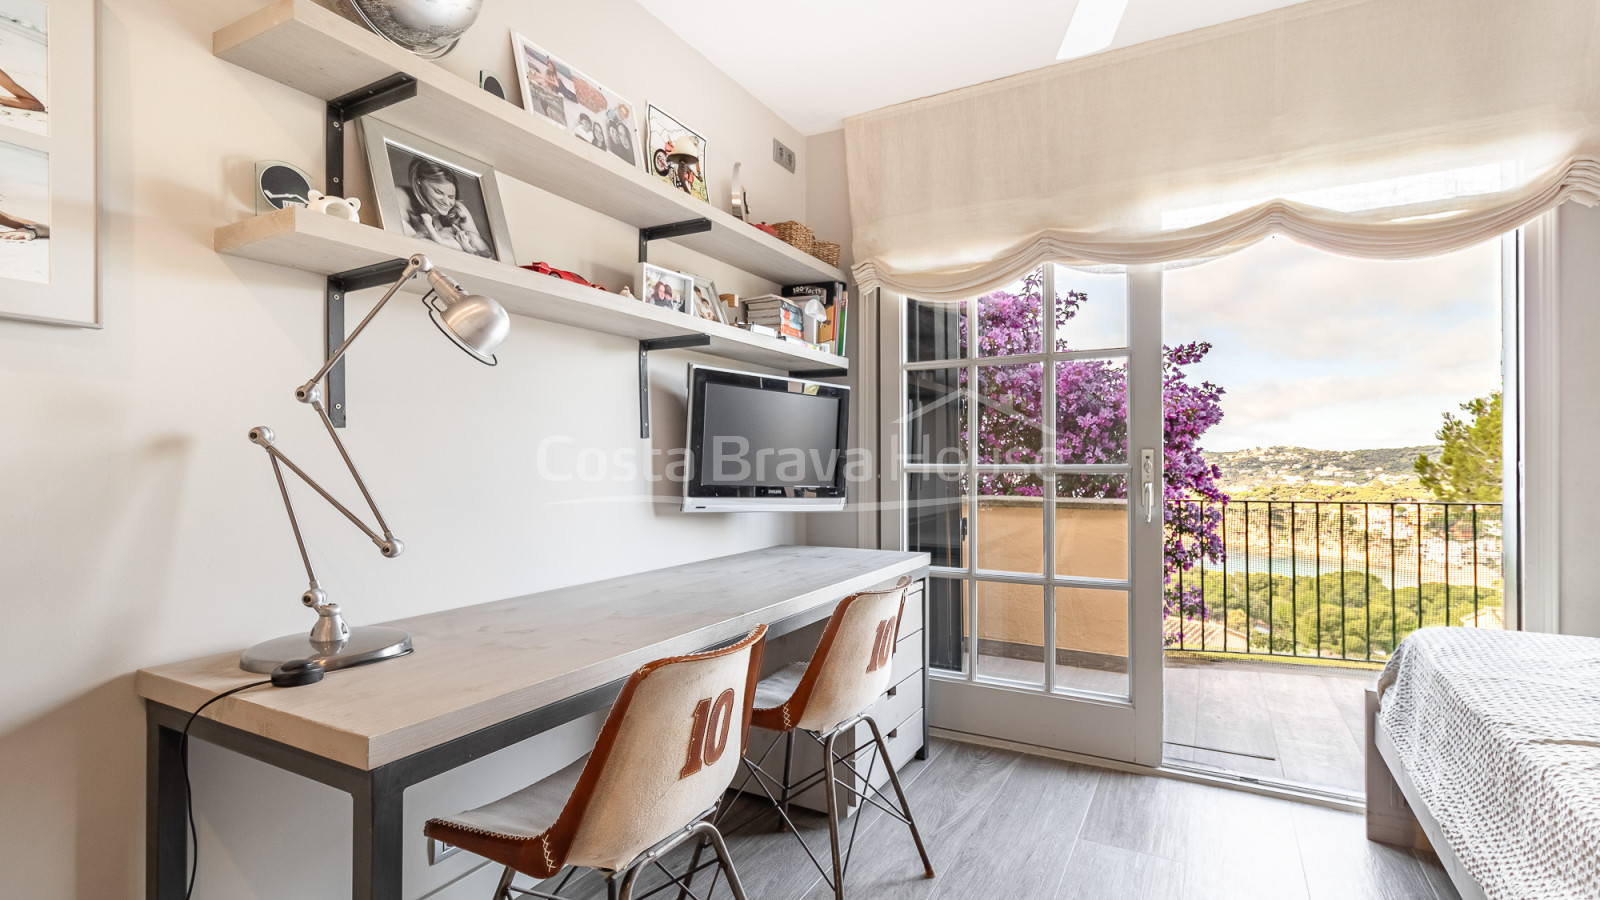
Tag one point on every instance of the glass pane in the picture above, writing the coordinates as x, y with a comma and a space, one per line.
1011, 320
936, 416
1091, 310
1092, 641
936, 518
1010, 427
1092, 526
1010, 526
935, 330
1092, 411
1011, 632
947, 624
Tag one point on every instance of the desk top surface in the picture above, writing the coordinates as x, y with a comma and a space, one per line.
480, 665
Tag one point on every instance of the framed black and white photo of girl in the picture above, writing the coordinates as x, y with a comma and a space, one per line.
48, 226
434, 193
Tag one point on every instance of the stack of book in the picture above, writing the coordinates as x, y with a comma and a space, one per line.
781, 314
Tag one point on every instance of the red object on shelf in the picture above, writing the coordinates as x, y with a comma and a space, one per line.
547, 269
767, 228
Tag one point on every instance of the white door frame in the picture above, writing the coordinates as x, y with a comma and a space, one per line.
1128, 730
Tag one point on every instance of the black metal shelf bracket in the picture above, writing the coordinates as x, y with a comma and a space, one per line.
676, 229
671, 343
820, 373
340, 284
351, 106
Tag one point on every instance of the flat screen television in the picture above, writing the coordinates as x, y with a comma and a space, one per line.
764, 443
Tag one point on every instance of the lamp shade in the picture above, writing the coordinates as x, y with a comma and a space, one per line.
473, 322
476, 324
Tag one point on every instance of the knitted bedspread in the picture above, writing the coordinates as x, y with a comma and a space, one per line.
1500, 731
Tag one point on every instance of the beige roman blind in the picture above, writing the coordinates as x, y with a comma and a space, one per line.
1375, 128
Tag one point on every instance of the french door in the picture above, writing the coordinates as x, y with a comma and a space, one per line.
1024, 455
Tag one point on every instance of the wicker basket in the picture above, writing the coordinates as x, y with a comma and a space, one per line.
796, 235
827, 251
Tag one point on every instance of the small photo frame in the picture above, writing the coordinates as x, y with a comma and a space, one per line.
675, 153
434, 193
541, 82
280, 185
666, 288
491, 83
707, 303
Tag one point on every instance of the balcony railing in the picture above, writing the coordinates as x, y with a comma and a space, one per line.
1336, 580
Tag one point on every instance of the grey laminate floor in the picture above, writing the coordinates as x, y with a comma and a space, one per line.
1000, 824
1290, 722
1286, 722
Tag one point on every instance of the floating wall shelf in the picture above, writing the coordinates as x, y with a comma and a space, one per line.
325, 245
316, 51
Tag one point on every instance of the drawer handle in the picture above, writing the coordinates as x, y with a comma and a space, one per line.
892, 735
894, 691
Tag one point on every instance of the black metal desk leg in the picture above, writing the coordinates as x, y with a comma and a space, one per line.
166, 833
377, 807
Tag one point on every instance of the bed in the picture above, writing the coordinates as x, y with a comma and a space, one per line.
1486, 745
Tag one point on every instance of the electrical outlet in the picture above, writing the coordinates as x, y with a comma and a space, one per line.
782, 155
439, 851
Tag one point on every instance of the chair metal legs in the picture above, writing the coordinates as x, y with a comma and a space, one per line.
788, 771
620, 884
831, 797
900, 794
721, 847
828, 779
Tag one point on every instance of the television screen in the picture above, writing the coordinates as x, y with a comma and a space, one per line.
763, 441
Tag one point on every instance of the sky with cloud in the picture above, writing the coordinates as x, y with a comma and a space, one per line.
1321, 351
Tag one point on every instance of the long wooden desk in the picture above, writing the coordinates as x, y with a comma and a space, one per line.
481, 679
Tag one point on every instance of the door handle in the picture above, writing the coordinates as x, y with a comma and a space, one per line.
1147, 473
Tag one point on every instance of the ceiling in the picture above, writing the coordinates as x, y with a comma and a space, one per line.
818, 61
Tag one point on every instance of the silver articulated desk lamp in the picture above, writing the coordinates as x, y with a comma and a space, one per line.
474, 323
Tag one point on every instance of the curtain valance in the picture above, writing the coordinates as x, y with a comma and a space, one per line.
1376, 128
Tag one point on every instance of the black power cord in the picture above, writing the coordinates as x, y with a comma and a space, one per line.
294, 673
188, 792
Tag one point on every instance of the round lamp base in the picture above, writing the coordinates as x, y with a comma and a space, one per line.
368, 643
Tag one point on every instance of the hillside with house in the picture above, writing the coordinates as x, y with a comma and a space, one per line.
1301, 473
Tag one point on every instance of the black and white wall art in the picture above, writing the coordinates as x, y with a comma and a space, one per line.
48, 222
431, 192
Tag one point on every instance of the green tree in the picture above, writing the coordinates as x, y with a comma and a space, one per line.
1468, 467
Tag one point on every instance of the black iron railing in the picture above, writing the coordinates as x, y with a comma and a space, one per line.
1332, 579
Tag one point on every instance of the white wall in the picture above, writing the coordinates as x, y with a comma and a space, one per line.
137, 524
828, 214
1576, 426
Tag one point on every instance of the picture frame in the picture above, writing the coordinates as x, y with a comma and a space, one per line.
279, 185
433, 193
675, 153
601, 117
666, 288
49, 240
539, 73
555, 91
707, 302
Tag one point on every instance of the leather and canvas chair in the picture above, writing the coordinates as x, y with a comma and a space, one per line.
826, 697
668, 750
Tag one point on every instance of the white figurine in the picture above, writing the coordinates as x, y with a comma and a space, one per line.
335, 206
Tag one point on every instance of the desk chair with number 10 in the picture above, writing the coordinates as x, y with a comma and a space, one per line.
826, 698
668, 750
